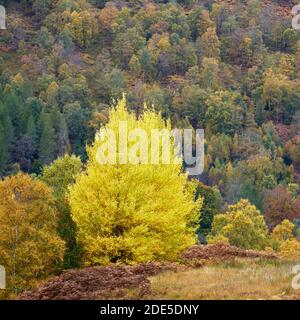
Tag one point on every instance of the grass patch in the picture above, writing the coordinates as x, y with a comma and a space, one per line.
241, 279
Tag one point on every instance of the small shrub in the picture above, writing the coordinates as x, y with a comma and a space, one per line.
218, 239
290, 248
283, 231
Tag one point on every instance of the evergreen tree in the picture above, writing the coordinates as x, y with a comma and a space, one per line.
47, 141
4, 156
61, 133
31, 128
8, 131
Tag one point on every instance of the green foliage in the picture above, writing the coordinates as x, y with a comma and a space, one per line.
47, 140
41, 8
243, 225
60, 175
210, 207
224, 112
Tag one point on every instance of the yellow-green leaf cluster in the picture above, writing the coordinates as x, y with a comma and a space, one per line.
284, 240
243, 225
283, 231
133, 213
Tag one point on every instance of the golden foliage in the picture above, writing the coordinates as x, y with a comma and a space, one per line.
29, 245
283, 231
290, 248
133, 213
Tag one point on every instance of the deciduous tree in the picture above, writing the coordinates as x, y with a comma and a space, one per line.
279, 204
122, 211
59, 176
243, 225
30, 248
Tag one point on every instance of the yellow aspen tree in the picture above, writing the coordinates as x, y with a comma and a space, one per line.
133, 213
164, 43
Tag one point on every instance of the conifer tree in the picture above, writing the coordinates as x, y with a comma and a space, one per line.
31, 128
3, 150
6, 137
26, 146
47, 141
61, 133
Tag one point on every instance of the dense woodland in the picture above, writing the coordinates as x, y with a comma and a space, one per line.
229, 67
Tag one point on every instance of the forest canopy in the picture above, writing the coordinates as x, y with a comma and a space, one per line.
231, 68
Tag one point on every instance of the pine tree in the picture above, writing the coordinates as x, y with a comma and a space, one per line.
13, 103
26, 146
41, 8
63, 143
66, 40
61, 133
47, 140
31, 129
7, 133
4, 156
